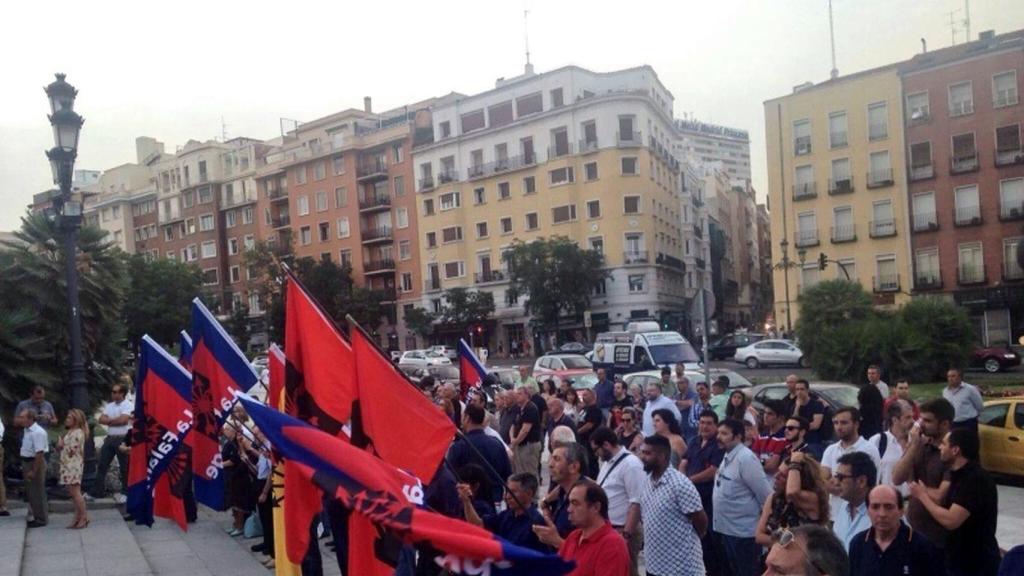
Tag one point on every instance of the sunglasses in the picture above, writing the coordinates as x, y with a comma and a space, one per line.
783, 538
841, 477
793, 428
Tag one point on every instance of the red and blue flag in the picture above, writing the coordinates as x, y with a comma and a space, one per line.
185, 350
219, 369
471, 370
393, 500
157, 474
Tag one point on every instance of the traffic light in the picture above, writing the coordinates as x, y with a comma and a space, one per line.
479, 330
822, 261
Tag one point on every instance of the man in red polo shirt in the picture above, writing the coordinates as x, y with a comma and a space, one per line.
594, 545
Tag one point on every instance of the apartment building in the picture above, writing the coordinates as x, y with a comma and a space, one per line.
714, 144
570, 152
764, 310
836, 186
966, 178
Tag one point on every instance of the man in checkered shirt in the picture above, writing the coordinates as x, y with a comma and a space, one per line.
673, 517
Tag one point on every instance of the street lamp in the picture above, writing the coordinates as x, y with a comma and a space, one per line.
785, 264
66, 125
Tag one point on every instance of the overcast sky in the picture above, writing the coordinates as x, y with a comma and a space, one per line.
173, 70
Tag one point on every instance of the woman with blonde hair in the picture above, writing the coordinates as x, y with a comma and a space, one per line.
72, 458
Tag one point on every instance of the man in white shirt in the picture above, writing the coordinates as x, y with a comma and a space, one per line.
117, 417
655, 401
34, 446
3, 488
622, 478
965, 398
855, 475
846, 422
892, 442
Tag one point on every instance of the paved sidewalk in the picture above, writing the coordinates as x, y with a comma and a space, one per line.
12, 542
105, 548
205, 550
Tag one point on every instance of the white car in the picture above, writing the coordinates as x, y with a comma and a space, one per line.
448, 351
561, 365
423, 358
768, 352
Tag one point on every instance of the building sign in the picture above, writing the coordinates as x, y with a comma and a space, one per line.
712, 129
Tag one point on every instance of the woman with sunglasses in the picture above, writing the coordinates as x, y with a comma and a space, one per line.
629, 435
799, 498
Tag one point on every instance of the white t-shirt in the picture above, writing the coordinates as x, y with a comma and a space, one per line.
112, 410
624, 485
1, 430
34, 441
831, 459
893, 453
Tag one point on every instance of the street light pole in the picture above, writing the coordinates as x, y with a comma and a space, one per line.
66, 127
785, 275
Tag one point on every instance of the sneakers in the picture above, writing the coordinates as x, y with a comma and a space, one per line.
120, 498
236, 533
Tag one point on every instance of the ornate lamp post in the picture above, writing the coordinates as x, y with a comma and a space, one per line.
66, 125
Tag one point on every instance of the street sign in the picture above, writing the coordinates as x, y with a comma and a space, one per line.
587, 321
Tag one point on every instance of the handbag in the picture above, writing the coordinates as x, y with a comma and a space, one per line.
253, 528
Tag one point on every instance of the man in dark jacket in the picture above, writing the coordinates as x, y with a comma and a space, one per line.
890, 547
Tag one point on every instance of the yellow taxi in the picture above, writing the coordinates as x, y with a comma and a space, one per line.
1001, 430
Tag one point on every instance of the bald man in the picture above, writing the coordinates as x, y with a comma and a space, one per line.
890, 547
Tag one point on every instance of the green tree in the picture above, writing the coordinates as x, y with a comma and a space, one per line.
555, 275
465, 308
238, 327
158, 299
940, 336
267, 279
831, 313
421, 321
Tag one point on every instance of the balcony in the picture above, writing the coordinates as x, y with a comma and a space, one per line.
488, 277
927, 281
967, 216
802, 145
880, 178
275, 194
431, 284
805, 191
475, 172
635, 257
557, 151
925, 222
426, 183
588, 146
628, 139
882, 228
886, 283
698, 231
375, 202
374, 235
378, 266
1012, 272
923, 172
970, 275
701, 264
844, 233
1011, 211
447, 176
373, 169
963, 163
670, 261
281, 221
1009, 157
806, 238
843, 186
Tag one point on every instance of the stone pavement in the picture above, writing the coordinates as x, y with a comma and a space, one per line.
205, 550
12, 542
105, 548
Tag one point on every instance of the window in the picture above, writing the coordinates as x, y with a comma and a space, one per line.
446, 129
629, 165
965, 155
968, 207
529, 104
841, 178
1011, 199
230, 218
636, 283
878, 121
481, 229
971, 266
529, 185
881, 169
479, 196
627, 134
631, 204
209, 249
837, 130
449, 201
556, 98
235, 273
500, 114
476, 163
1008, 149
803, 182
926, 268
842, 224
345, 257
882, 222
529, 157
506, 225
806, 229
406, 285
396, 153
596, 244
319, 171
340, 197
809, 276
561, 214
504, 191
399, 185
917, 108
1011, 269
402, 217
232, 246
590, 171
321, 201
532, 223
850, 265
961, 99
593, 209
247, 215
249, 242
210, 277
924, 212
324, 228
188, 199
300, 175
431, 239
168, 233
338, 165
561, 175
454, 269
1004, 89
305, 236
921, 161
589, 136
190, 253
303, 205
635, 247
802, 137
344, 231
473, 121
428, 207
559, 143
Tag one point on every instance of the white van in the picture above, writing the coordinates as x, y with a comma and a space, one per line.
642, 347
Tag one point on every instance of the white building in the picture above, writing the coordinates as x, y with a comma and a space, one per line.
714, 144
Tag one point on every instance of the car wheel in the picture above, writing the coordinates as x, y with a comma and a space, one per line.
804, 362
752, 363
992, 365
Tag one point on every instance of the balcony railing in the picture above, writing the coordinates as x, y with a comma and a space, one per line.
964, 163
670, 261
961, 108
557, 151
375, 266
628, 139
635, 257
925, 221
426, 183
475, 171
1009, 211
887, 283
967, 216
447, 176
376, 201
588, 146
277, 193
883, 228
805, 191
802, 145
1012, 271
971, 275
1009, 157
281, 221
489, 276
843, 186
922, 172
879, 178
844, 233
805, 238
431, 284
927, 281
375, 168
376, 234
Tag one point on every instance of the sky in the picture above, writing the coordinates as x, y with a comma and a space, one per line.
176, 71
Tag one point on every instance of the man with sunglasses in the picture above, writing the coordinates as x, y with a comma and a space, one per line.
795, 433
117, 417
807, 550
855, 475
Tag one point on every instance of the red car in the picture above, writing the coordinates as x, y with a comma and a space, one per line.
994, 359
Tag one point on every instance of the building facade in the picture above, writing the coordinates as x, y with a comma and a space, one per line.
713, 144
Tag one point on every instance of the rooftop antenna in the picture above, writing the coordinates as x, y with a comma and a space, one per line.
953, 25
967, 19
526, 36
832, 38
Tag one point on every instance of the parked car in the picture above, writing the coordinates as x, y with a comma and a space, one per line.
736, 380
507, 377
768, 352
1001, 431
725, 347
994, 359
423, 358
561, 365
447, 351
396, 355
574, 348
834, 394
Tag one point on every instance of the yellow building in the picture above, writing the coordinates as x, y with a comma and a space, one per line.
571, 153
836, 187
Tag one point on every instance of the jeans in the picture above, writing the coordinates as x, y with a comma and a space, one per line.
741, 555
107, 454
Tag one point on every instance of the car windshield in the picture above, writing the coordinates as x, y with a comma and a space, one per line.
433, 354
673, 353
576, 362
841, 395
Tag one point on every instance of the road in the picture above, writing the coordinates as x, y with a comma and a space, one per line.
1010, 526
